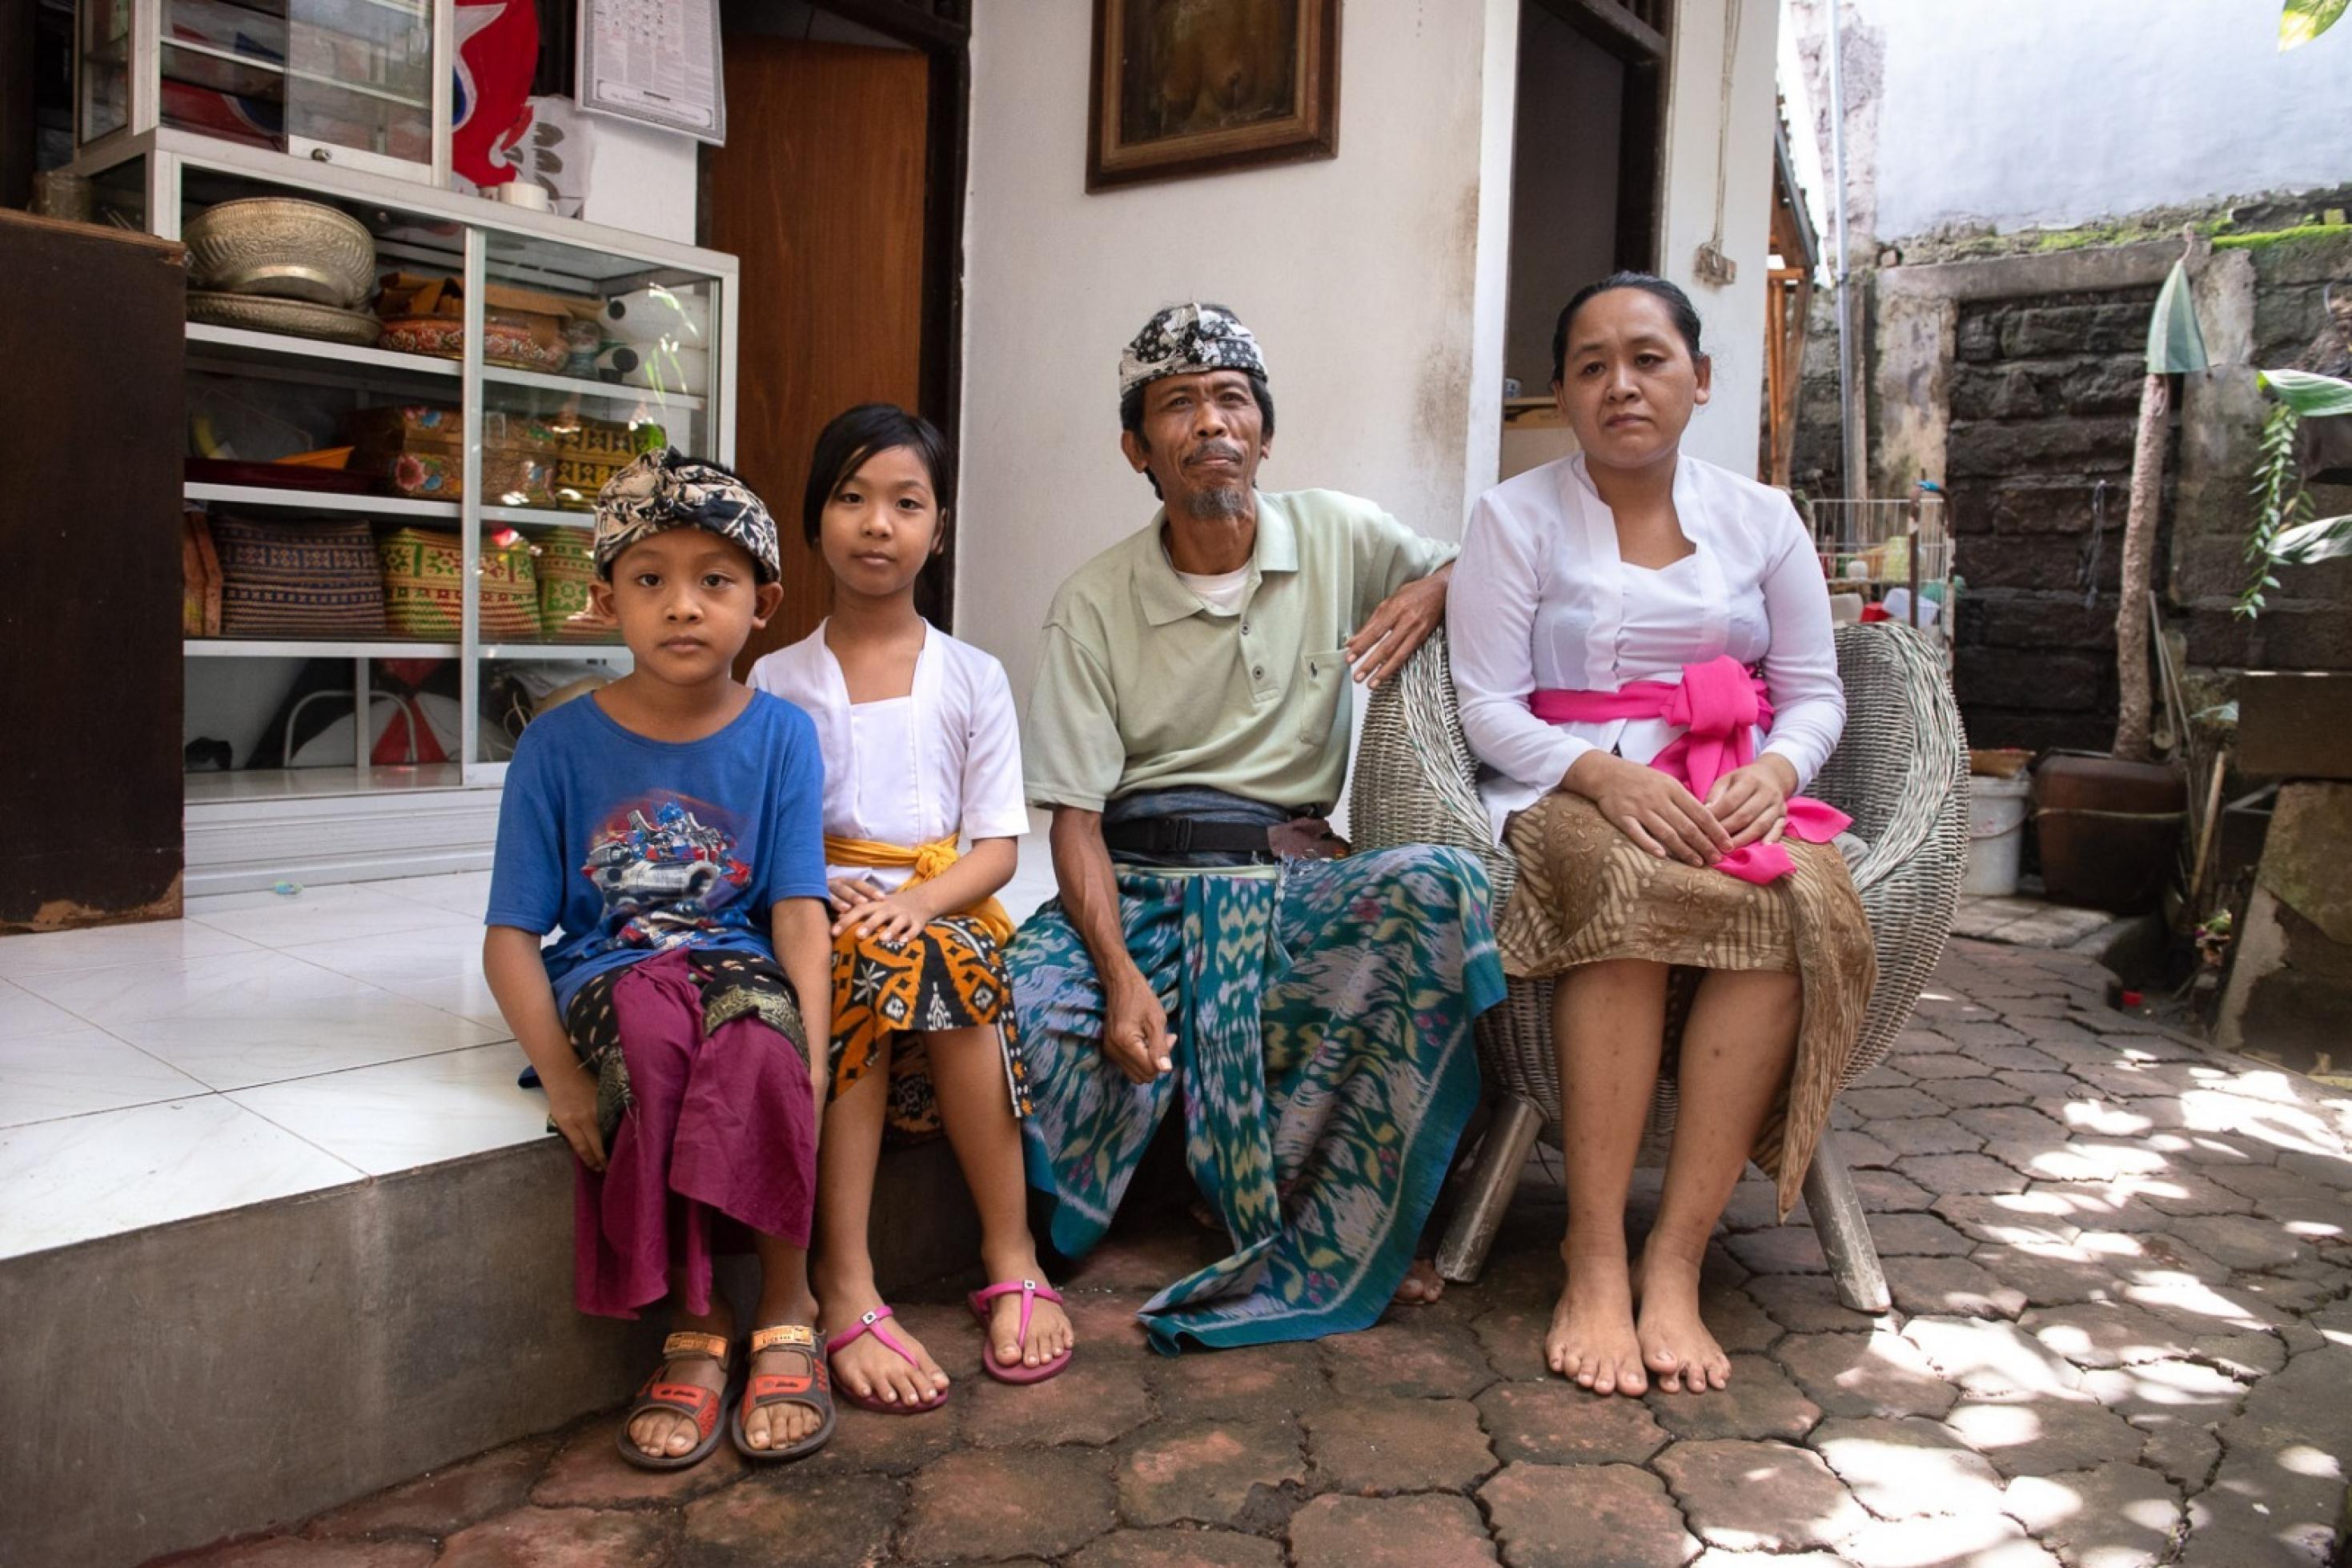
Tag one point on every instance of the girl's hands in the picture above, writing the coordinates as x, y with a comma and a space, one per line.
571, 1106
1752, 802
869, 911
1652, 809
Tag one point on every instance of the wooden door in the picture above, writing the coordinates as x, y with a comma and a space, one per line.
820, 191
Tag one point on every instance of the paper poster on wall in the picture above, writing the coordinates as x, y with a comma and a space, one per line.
656, 61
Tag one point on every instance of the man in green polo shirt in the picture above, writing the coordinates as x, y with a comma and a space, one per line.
1189, 730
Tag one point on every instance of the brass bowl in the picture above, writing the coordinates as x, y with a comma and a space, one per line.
299, 318
281, 248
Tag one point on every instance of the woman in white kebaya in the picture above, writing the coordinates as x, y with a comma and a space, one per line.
1642, 644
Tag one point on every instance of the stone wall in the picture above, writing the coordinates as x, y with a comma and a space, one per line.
1817, 463
2267, 304
2015, 381
2043, 394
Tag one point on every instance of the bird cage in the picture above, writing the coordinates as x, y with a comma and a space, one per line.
1888, 560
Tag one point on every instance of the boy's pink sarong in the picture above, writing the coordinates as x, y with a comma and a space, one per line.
722, 1124
1719, 705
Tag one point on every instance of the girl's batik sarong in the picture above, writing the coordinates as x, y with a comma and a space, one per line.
887, 995
1322, 1011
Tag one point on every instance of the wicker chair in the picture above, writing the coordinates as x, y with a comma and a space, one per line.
1901, 772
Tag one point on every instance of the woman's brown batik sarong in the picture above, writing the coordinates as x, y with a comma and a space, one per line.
1587, 893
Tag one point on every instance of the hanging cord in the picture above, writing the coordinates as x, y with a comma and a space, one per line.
1711, 265
2087, 573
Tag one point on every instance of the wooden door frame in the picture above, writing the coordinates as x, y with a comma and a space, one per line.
940, 29
1641, 33
20, 130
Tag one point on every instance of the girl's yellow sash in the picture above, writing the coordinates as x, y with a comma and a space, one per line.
925, 861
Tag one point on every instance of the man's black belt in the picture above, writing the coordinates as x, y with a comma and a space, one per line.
1185, 835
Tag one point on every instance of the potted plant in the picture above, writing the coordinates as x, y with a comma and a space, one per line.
2284, 532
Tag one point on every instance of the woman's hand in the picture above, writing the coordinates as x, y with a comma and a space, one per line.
1653, 811
1752, 802
571, 1106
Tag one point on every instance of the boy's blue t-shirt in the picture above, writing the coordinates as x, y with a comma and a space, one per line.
633, 846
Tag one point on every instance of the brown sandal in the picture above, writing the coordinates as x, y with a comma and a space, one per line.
812, 1388
692, 1400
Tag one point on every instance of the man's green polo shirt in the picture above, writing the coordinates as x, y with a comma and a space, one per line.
1140, 684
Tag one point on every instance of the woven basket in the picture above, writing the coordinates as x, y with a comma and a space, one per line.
567, 567
297, 579
425, 588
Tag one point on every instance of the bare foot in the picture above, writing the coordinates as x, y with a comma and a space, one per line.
1675, 1345
1591, 1340
869, 1368
670, 1434
1050, 1330
1422, 1285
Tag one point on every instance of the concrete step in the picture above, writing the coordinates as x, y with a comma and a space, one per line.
182, 1383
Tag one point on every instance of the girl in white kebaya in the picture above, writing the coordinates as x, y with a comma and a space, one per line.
921, 750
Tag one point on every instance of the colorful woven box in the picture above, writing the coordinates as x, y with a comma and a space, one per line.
297, 579
418, 450
567, 567
590, 451
425, 588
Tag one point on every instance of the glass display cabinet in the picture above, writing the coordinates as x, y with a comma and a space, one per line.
357, 84
401, 403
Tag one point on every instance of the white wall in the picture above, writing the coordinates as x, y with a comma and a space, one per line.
1376, 281
640, 178
2033, 114
1357, 274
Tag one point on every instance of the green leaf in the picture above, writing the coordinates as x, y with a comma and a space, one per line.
2303, 20
2325, 540
2312, 396
2174, 342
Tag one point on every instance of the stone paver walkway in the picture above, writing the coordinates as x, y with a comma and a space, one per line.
2122, 1335
2018, 922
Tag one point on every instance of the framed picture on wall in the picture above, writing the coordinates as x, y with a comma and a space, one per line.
1199, 87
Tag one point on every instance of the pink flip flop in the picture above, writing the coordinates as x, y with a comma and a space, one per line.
872, 1323
1015, 1373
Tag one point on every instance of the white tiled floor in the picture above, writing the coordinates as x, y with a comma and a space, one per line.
264, 1046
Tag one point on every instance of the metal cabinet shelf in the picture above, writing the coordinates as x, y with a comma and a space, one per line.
155, 178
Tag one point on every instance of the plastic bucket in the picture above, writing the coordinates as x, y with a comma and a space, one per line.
1997, 813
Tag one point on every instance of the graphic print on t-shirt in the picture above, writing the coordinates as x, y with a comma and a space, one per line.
667, 870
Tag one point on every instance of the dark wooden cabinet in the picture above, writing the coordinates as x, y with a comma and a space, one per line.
92, 338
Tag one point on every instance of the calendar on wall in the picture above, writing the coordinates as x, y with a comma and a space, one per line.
656, 61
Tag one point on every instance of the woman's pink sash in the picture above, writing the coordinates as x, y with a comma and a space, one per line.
1719, 705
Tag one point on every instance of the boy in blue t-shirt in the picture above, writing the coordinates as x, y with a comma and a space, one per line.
669, 827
